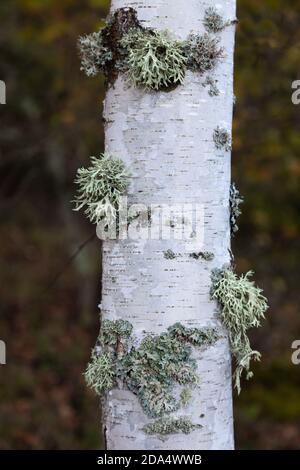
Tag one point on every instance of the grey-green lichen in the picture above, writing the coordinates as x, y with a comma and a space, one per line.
152, 369
168, 425
213, 21
150, 58
100, 374
154, 59
222, 139
101, 51
185, 396
100, 188
112, 332
203, 52
95, 55
212, 84
169, 254
242, 306
235, 200
205, 255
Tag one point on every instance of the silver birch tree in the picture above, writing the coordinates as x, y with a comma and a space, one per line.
166, 140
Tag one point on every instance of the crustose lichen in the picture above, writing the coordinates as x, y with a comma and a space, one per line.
152, 369
242, 306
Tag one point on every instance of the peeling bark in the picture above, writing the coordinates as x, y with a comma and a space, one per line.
166, 140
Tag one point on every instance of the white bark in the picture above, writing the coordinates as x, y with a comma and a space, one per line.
166, 139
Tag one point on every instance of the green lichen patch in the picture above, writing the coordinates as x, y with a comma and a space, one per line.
185, 396
222, 139
100, 51
242, 306
203, 52
154, 60
151, 59
152, 369
235, 200
168, 425
112, 332
100, 373
205, 255
100, 188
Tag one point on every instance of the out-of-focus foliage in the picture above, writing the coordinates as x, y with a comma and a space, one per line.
49, 127
266, 168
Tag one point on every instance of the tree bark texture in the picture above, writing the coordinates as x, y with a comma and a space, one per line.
166, 140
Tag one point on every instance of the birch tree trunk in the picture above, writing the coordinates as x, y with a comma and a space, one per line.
166, 140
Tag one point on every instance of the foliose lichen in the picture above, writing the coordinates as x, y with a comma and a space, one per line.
154, 60
112, 332
168, 425
152, 369
100, 188
242, 306
235, 200
222, 139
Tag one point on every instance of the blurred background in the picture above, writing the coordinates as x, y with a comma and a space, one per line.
50, 259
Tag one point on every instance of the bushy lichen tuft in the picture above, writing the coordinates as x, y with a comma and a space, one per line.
203, 52
168, 425
235, 200
154, 59
212, 84
222, 139
95, 55
242, 307
151, 370
213, 21
100, 374
100, 188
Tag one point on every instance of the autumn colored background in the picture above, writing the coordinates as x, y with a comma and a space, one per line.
50, 261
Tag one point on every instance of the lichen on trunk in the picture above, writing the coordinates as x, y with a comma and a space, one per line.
166, 142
